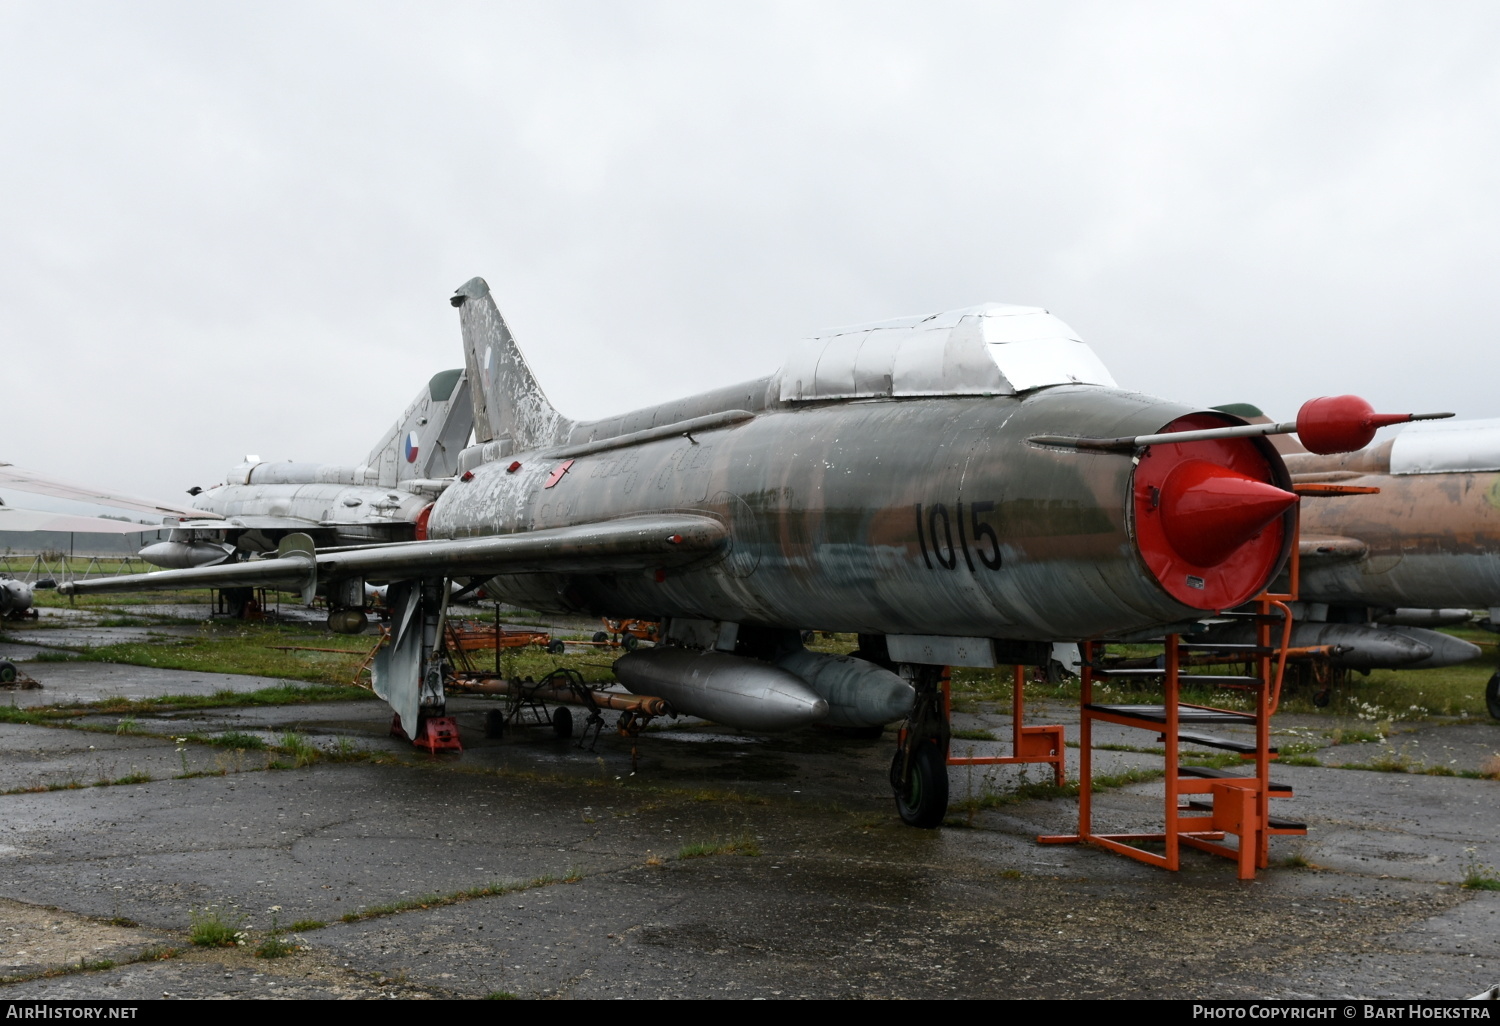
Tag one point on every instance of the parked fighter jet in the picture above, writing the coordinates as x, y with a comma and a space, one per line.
15, 595
384, 499
1379, 569
960, 489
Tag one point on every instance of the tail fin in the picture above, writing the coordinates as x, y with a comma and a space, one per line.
426, 441
508, 403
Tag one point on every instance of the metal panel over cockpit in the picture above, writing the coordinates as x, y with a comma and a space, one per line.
994, 349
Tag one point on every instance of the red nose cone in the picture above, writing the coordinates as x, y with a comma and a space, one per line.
1209, 511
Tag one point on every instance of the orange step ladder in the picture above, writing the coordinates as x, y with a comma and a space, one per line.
1219, 802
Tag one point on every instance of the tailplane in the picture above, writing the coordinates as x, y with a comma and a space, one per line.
426, 441
508, 402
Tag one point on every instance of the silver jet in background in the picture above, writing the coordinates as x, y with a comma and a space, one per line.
387, 498
15, 518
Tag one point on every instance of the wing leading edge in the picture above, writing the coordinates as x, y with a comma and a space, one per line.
613, 546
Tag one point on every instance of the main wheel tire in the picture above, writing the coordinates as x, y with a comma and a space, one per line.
924, 801
8, 672
1492, 695
494, 723
562, 723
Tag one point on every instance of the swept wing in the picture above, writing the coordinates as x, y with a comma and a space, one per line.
12, 519
613, 546
12, 476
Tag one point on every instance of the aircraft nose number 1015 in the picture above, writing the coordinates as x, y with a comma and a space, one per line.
938, 526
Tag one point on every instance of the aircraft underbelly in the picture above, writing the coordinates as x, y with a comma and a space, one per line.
908, 516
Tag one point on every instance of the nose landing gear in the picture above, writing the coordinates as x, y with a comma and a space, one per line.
919, 771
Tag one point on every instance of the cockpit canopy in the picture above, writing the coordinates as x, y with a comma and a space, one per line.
993, 349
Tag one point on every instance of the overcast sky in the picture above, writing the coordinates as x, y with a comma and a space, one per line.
228, 229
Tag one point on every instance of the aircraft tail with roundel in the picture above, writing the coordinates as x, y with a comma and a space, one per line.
426, 441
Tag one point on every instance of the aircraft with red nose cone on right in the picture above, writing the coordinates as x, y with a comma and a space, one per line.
958, 489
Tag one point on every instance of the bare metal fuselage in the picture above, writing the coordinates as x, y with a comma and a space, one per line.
909, 516
335, 514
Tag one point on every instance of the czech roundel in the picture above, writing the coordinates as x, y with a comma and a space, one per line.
411, 447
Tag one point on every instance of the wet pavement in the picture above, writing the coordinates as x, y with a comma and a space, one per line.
531, 866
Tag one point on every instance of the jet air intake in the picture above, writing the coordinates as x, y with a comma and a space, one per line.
1212, 516
1212, 502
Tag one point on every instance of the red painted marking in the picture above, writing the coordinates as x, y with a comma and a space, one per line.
661, 575
675, 539
468, 476
557, 475
513, 467
422, 519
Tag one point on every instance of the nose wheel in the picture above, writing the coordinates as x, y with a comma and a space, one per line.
922, 798
919, 771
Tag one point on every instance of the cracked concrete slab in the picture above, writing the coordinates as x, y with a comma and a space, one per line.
840, 901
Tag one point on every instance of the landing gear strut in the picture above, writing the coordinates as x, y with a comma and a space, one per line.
919, 771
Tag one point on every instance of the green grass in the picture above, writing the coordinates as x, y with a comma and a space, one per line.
1480, 878
248, 650
49, 599
277, 694
972, 735
212, 927
236, 739
303, 925
1047, 790
1396, 694
303, 752
489, 890
742, 845
276, 946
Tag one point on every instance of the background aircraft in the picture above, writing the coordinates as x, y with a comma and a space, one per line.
384, 499
16, 595
960, 489
1379, 569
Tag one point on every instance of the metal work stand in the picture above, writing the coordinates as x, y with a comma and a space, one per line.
1219, 801
1042, 744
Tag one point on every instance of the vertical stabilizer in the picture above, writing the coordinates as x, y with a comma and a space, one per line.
426, 441
508, 402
